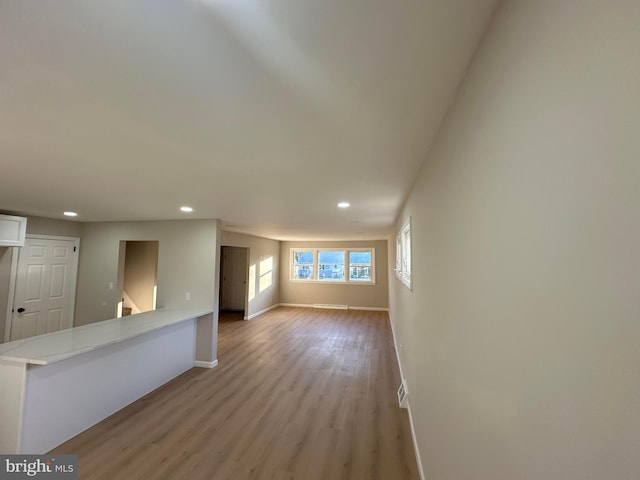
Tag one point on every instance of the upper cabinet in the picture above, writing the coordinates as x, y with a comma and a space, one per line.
12, 231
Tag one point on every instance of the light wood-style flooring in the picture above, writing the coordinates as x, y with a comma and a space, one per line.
298, 394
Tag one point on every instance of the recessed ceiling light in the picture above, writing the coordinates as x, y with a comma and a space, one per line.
344, 205
186, 209
70, 214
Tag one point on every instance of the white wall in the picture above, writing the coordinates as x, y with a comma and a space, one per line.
260, 249
53, 226
521, 337
354, 295
35, 225
187, 262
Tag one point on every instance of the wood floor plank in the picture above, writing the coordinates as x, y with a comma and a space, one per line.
299, 394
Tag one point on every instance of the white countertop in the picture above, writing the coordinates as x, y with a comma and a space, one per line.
56, 346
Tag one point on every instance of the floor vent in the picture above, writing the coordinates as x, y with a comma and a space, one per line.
332, 306
402, 396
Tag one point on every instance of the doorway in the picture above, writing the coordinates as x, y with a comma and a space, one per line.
233, 281
43, 288
137, 276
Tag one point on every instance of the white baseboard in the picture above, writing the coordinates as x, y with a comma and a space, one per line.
371, 309
331, 306
408, 400
349, 307
395, 346
201, 364
296, 305
254, 315
415, 442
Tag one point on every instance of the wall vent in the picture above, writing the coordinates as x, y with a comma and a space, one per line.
330, 305
402, 396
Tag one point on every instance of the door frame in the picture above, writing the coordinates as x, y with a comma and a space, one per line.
14, 278
246, 275
120, 277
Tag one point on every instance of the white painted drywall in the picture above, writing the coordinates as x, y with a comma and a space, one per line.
521, 339
260, 249
187, 259
352, 294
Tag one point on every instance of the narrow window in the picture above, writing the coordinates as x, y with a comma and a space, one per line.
403, 254
302, 263
331, 265
406, 249
360, 266
399, 255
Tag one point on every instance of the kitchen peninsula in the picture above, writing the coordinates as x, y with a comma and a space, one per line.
57, 385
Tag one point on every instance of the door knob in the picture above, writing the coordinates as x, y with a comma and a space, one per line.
20, 310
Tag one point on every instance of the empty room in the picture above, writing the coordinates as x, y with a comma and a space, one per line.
320, 239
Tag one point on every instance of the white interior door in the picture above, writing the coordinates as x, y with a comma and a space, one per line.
45, 287
234, 277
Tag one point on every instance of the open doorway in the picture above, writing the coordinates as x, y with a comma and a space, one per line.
137, 276
233, 281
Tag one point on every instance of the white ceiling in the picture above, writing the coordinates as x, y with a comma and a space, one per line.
264, 114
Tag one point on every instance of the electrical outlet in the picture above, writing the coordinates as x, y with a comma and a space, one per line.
187, 296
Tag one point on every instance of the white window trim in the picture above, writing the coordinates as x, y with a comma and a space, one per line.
315, 270
292, 264
403, 254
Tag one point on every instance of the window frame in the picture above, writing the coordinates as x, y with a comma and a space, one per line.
347, 265
371, 265
292, 269
404, 254
317, 263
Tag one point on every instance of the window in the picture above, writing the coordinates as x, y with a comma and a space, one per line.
333, 265
302, 262
360, 266
403, 254
398, 253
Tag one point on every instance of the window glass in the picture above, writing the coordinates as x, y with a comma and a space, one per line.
406, 260
403, 254
302, 265
360, 266
335, 265
330, 265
